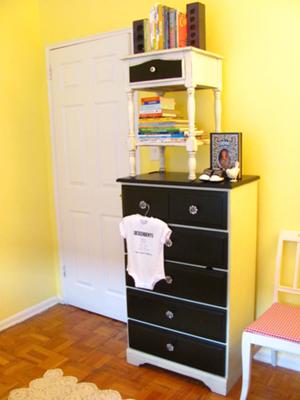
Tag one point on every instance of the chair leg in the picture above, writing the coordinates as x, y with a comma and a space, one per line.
246, 361
274, 357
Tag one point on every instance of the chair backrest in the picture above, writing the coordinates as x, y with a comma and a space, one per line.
287, 236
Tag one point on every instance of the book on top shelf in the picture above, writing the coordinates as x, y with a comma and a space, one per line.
165, 29
182, 30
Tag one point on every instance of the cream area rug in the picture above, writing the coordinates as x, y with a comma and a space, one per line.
54, 386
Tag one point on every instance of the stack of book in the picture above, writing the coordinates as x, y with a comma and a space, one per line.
160, 122
168, 28
165, 29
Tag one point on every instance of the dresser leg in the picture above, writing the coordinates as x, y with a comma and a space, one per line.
133, 358
192, 165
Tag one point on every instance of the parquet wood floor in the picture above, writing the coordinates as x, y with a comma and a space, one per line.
92, 348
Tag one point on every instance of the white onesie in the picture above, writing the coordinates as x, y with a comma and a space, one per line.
145, 237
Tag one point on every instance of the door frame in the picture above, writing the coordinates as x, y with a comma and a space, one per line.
63, 290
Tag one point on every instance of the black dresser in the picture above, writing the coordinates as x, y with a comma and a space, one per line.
192, 321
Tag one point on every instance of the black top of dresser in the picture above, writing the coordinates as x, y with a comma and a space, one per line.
181, 179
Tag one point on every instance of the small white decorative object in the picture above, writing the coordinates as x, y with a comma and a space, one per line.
233, 173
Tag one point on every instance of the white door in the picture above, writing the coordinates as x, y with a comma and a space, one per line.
89, 112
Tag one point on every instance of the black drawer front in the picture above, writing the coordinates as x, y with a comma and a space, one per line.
192, 283
196, 353
179, 315
155, 69
197, 246
199, 208
156, 198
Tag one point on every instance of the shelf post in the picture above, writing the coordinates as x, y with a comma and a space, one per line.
162, 159
218, 109
191, 144
131, 135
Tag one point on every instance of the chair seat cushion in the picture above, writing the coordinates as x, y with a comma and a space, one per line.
280, 321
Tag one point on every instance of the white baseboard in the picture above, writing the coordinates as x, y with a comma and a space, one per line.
285, 360
29, 312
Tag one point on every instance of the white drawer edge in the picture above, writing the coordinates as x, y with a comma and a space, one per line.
199, 228
195, 265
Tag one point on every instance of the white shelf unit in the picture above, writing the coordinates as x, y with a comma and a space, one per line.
163, 71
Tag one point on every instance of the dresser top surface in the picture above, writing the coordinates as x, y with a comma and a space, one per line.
180, 179
158, 53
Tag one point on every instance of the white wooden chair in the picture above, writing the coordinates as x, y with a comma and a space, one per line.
279, 327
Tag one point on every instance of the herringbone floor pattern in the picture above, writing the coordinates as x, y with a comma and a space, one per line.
92, 348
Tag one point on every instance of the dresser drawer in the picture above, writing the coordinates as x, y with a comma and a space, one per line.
197, 246
198, 208
184, 316
196, 353
155, 69
192, 283
156, 198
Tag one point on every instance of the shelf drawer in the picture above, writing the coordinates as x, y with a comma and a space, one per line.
155, 69
192, 283
184, 316
201, 247
198, 208
156, 198
196, 353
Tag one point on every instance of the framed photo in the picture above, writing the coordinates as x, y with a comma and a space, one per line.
226, 150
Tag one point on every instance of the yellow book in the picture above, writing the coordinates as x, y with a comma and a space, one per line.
160, 27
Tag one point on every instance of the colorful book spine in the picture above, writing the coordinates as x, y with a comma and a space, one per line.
158, 100
152, 28
166, 120
160, 27
176, 28
167, 27
147, 44
162, 136
182, 30
155, 110
156, 107
160, 114
172, 23
159, 130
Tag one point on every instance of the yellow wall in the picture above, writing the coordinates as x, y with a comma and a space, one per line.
27, 236
258, 40
261, 84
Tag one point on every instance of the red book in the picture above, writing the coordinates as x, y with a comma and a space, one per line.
158, 115
182, 30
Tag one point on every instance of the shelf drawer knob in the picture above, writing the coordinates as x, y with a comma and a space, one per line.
193, 210
169, 280
170, 347
169, 243
169, 314
152, 69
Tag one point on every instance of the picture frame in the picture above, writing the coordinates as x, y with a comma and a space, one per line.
226, 150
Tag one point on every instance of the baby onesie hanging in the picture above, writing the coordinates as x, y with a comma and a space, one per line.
145, 238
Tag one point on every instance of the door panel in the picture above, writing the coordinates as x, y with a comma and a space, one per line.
90, 130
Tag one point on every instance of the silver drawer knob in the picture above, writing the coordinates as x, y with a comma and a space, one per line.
152, 69
169, 243
193, 210
169, 314
170, 347
169, 280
